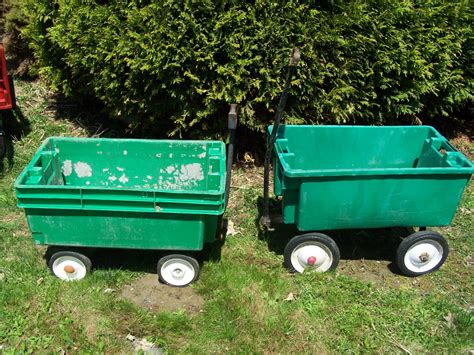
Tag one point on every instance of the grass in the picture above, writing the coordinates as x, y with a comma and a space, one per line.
363, 307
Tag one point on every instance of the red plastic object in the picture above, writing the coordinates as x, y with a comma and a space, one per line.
5, 93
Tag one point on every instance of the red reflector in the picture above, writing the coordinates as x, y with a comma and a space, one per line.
5, 93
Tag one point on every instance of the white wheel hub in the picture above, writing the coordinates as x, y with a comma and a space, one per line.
69, 268
311, 256
177, 272
423, 256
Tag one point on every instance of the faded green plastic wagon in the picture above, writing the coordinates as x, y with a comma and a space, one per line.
168, 195
349, 177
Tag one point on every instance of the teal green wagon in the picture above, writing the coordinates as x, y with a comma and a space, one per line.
168, 195
350, 177
357, 177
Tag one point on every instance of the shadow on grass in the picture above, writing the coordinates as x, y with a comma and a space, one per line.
14, 125
90, 115
354, 244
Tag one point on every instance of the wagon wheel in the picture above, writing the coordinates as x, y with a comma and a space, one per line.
69, 265
421, 253
311, 252
178, 270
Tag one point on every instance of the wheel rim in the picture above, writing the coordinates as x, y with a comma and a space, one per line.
423, 256
69, 268
177, 272
311, 256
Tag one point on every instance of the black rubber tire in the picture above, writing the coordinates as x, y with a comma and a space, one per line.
194, 263
317, 238
414, 238
83, 258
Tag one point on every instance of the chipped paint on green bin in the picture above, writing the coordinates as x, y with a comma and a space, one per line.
343, 177
124, 193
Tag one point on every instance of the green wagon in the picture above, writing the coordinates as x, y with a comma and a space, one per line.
81, 193
349, 177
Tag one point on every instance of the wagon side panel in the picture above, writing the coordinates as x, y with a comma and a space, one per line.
378, 201
114, 229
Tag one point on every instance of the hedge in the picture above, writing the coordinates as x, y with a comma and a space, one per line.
177, 64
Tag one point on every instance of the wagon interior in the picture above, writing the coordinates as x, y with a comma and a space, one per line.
134, 164
342, 147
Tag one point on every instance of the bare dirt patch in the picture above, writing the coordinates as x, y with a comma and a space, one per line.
147, 292
381, 273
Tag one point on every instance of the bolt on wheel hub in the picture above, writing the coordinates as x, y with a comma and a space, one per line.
69, 269
178, 273
424, 257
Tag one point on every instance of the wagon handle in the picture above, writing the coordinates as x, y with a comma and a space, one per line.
231, 125
294, 59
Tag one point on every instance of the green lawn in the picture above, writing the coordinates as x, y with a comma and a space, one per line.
364, 306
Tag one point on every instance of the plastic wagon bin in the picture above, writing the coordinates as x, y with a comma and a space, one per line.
348, 177
81, 193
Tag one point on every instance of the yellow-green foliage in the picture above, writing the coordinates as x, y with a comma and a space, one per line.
177, 64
